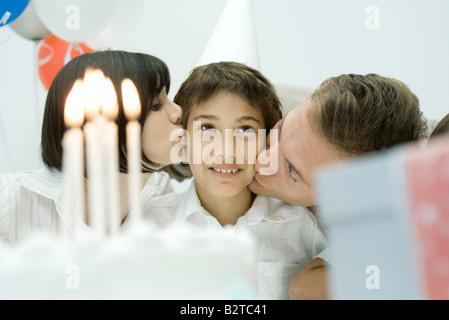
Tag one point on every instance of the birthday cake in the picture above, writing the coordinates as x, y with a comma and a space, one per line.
177, 262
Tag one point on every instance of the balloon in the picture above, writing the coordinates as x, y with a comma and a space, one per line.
10, 10
53, 54
29, 26
75, 20
125, 20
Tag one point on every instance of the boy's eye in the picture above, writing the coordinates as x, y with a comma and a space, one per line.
245, 129
207, 127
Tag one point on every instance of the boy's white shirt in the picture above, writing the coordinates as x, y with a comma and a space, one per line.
287, 236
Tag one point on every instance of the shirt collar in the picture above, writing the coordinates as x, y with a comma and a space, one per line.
189, 203
46, 182
263, 208
157, 186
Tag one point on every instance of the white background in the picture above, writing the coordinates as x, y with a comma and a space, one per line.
300, 42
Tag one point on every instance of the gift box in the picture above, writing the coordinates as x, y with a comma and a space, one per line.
387, 220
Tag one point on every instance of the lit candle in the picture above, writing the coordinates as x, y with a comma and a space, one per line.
94, 131
109, 108
131, 104
73, 160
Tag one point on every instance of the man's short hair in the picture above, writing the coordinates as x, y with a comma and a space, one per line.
360, 114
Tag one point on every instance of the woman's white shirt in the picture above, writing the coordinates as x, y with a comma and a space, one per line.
32, 201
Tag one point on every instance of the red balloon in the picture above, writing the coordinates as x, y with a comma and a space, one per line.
53, 54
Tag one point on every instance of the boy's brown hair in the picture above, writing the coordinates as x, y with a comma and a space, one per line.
206, 81
360, 114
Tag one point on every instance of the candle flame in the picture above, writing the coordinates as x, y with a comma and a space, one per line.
74, 106
131, 100
109, 104
93, 82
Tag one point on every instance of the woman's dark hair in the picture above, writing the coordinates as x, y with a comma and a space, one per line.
149, 74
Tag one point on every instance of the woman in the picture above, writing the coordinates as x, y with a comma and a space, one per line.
32, 200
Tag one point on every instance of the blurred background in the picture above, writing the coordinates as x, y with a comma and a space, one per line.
299, 42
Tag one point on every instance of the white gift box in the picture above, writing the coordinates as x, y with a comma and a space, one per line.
387, 220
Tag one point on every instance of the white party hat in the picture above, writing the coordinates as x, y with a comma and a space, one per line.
234, 37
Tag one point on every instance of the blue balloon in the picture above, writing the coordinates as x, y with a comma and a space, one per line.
10, 10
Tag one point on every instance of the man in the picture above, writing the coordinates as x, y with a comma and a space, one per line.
348, 116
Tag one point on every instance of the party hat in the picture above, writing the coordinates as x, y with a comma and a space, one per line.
234, 37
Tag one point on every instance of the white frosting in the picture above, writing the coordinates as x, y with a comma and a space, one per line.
179, 262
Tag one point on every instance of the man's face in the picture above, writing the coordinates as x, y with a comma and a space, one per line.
300, 152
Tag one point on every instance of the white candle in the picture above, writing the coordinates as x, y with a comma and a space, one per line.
73, 161
109, 107
131, 104
94, 132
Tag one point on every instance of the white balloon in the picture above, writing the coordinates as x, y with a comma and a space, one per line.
75, 20
127, 16
29, 26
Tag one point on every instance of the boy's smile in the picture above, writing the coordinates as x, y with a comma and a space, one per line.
225, 171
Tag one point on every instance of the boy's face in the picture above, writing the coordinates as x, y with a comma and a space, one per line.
223, 143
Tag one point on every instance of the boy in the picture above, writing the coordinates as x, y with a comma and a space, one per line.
226, 108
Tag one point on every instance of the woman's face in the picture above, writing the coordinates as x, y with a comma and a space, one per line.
222, 133
164, 118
